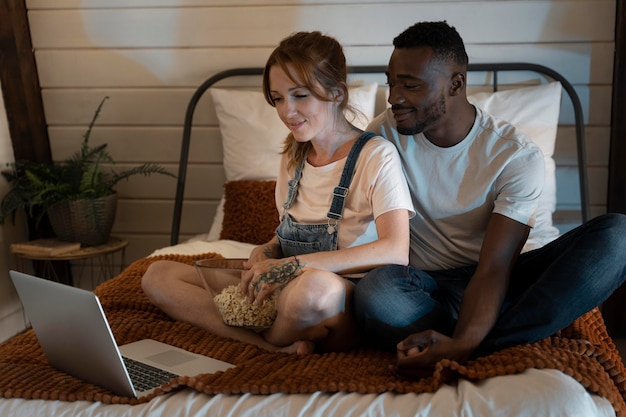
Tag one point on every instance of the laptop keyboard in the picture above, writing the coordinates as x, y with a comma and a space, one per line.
145, 377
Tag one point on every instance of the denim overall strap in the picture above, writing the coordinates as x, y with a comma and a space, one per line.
293, 187
341, 191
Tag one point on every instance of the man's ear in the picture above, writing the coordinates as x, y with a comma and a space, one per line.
458, 83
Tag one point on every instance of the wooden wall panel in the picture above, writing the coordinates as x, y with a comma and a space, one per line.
226, 26
122, 4
23, 134
160, 144
617, 181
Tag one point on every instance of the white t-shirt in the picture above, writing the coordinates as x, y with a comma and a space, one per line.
495, 169
378, 186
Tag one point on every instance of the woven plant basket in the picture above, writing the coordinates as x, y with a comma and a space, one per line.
88, 221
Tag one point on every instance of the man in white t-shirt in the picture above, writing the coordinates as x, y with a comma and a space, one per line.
475, 183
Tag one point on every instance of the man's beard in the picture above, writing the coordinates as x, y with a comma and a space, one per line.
412, 130
432, 113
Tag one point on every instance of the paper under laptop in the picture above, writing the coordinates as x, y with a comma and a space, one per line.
76, 338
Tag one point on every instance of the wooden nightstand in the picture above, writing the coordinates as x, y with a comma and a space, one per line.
96, 261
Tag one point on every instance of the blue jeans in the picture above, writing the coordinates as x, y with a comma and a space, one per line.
550, 287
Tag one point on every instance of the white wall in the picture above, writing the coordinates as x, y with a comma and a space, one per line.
11, 315
148, 55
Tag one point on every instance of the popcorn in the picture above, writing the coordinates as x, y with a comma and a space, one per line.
235, 309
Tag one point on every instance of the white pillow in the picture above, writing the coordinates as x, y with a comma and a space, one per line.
253, 134
216, 226
535, 111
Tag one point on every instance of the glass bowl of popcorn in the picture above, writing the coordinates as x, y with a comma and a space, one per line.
221, 278
219, 273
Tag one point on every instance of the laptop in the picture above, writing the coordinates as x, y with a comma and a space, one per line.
77, 339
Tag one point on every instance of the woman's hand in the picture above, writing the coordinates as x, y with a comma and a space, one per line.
418, 353
262, 278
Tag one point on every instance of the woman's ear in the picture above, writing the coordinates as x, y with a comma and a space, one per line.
337, 95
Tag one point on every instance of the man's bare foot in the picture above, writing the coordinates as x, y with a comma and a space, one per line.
301, 347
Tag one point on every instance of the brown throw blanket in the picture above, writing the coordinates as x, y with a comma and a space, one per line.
583, 350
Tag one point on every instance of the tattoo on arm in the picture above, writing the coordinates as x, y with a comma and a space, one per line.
268, 252
272, 251
281, 274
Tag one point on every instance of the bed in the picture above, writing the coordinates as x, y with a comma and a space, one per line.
577, 372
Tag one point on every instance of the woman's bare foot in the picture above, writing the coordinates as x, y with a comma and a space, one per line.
301, 347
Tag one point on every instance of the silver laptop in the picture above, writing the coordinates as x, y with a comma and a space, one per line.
76, 338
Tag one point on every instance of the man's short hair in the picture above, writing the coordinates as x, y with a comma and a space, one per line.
441, 37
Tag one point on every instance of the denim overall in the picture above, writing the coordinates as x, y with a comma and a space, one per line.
297, 238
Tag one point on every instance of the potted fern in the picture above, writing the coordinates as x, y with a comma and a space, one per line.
78, 195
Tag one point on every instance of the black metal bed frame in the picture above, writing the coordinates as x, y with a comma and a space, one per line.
494, 68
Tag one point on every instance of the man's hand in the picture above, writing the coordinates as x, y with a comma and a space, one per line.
418, 353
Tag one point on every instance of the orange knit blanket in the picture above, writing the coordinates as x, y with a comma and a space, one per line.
583, 350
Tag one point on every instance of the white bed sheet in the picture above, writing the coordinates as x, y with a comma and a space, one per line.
532, 393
